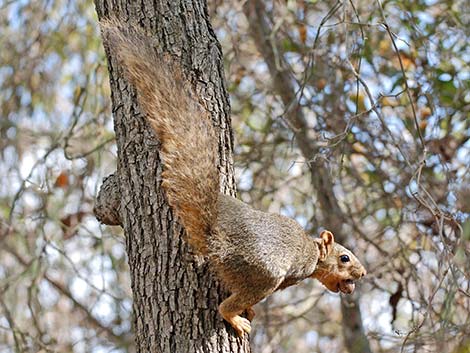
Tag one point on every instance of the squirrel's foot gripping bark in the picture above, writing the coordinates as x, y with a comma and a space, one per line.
239, 324
230, 309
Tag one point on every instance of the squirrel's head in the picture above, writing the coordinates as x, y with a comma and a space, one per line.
337, 267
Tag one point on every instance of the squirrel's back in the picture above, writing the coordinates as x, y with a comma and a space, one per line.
259, 239
188, 138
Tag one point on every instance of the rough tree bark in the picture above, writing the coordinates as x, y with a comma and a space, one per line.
175, 296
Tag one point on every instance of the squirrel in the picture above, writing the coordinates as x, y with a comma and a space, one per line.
253, 253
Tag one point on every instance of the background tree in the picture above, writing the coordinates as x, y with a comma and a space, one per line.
384, 95
352, 101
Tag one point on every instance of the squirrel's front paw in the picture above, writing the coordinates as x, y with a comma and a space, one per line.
241, 325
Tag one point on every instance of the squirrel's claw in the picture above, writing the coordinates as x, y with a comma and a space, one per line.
240, 324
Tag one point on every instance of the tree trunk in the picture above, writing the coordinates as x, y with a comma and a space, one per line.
175, 295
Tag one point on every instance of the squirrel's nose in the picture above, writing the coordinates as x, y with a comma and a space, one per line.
364, 272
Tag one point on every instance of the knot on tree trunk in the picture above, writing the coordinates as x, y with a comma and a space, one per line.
108, 202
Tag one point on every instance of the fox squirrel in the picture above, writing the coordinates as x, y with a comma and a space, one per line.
254, 253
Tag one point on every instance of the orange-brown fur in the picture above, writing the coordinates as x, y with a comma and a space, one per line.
254, 253
187, 136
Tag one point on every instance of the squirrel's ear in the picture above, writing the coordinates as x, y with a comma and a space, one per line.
327, 237
328, 241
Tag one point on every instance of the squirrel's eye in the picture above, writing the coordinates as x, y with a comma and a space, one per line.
344, 258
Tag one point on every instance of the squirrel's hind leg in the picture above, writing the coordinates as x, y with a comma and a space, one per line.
232, 307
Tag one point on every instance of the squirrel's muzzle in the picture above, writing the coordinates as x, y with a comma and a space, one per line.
347, 286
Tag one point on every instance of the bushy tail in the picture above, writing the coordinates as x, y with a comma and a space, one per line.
187, 136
